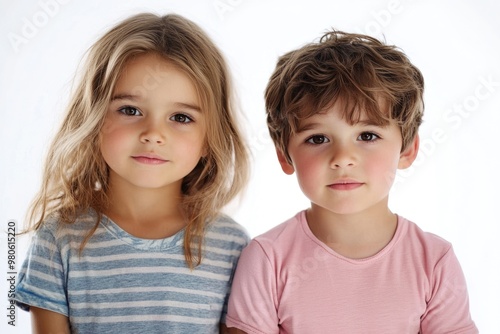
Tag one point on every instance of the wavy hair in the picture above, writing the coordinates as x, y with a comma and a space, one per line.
75, 176
357, 70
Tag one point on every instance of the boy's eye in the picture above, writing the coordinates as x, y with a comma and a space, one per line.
368, 136
181, 118
130, 111
317, 139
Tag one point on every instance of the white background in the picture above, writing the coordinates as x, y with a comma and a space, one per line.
452, 189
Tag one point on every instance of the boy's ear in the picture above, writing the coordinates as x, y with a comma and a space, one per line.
285, 166
409, 154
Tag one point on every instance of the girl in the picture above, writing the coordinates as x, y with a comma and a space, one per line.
129, 235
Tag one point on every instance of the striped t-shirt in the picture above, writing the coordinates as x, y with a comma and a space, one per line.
123, 284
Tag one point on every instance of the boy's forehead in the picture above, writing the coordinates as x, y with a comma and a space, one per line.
351, 111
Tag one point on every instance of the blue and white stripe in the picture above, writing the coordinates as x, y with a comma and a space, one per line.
120, 283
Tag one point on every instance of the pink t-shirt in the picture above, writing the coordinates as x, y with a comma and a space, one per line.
287, 281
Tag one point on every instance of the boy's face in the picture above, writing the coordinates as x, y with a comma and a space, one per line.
343, 168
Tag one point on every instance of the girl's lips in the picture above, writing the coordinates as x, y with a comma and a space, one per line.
149, 160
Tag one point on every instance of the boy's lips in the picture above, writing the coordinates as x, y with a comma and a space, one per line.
149, 159
345, 184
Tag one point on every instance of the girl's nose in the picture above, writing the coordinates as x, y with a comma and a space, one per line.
153, 134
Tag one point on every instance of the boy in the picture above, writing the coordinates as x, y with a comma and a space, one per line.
344, 115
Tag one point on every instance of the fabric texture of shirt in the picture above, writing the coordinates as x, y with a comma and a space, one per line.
123, 284
288, 281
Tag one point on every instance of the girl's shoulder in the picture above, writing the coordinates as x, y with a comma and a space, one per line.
227, 223
54, 226
227, 227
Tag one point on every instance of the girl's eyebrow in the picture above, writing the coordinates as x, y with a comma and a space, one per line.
135, 98
183, 105
125, 97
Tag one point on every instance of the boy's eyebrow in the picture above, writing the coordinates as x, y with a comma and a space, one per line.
363, 122
135, 98
307, 126
370, 122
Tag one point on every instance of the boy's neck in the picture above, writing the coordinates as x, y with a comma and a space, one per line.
356, 236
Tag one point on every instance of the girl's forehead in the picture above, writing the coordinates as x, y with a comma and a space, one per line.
150, 80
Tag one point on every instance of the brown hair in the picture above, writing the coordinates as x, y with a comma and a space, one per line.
75, 175
358, 71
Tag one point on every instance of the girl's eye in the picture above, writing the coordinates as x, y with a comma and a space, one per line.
368, 136
130, 111
181, 118
317, 139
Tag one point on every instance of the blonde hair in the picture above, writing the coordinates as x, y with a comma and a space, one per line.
355, 69
75, 176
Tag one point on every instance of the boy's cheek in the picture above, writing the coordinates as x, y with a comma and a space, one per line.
382, 166
309, 168
310, 179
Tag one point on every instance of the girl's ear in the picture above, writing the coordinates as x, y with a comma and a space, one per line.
204, 150
285, 165
409, 154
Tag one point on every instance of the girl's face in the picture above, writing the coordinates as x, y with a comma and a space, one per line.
154, 131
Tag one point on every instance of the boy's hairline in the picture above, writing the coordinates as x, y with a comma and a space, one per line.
339, 99
356, 114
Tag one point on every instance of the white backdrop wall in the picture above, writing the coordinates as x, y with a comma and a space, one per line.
452, 189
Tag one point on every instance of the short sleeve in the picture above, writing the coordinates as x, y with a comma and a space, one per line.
226, 298
253, 300
41, 281
448, 306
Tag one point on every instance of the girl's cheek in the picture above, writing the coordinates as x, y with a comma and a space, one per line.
106, 127
111, 123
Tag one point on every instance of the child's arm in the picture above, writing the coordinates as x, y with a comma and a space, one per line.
448, 307
41, 283
253, 298
225, 330
48, 322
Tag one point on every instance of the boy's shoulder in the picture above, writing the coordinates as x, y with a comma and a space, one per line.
293, 235
416, 237
286, 232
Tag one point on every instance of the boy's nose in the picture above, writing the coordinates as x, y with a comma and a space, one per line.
343, 156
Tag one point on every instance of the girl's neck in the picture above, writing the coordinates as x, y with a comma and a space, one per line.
356, 236
146, 213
